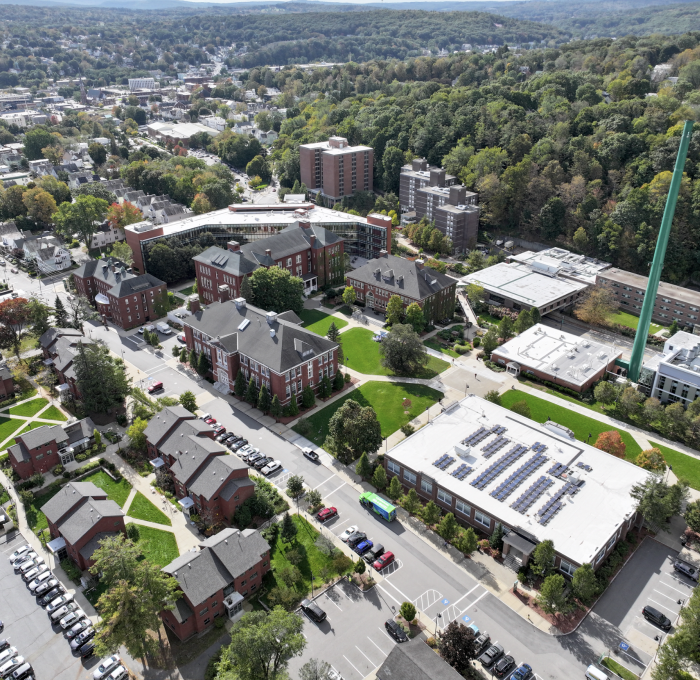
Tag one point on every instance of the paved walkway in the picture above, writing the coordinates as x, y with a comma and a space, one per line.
37, 417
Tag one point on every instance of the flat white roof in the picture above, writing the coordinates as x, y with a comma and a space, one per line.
558, 354
587, 519
567, 263
518, 283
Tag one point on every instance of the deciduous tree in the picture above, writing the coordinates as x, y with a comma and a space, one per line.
431, 513
40, 205
411, 502
596, 306
119, 216
585, 583
521, 407
551, 597
276, 290
15, 319
349, 295
457, 645
379, 478
448, 527
543, 558
402, 350
414, 317
394, 490
82, 217
353, 430
394, 310
188, 401
651, 459
611, 442
100, 378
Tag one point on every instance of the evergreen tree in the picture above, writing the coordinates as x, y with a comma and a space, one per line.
411, 502
394, 490
59, 314
293, 407
289, 529
535, 316
431, 513
193, 359
275, 407
324, 389
251, 395
101, 379
239, 387
247, 290
264, 399
308, 398
496, 538
332, 332
338, 381
524, 321
203, 365
379, 478
364, 467
183, 355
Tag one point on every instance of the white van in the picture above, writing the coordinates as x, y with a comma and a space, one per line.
593, 673
164, 328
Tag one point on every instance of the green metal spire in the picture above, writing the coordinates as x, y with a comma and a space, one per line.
640, 339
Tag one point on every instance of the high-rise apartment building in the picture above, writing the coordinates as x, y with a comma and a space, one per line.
432, 193
335, 168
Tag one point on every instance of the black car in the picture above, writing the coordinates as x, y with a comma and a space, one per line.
393, 628
233, 441
230, 437
263, 462
656, 617
503, 666
313, 611
4, 644
51, 596
491, 655
374, 553
87, 649
239, 444
355, 538
482, 642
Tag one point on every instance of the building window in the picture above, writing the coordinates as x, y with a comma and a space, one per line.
207, 621
482, 518
444, 497
426, 487
393, 467
567, 568
611, 542
204, 611
600, 555
462, 507
409, 477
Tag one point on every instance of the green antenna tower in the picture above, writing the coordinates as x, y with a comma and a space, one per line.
640, 339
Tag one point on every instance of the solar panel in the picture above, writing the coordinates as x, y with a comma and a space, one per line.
440, 460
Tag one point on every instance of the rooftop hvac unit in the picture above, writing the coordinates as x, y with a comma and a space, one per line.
462, 451
244, 324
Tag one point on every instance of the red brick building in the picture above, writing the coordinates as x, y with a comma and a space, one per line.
214, 581
125, 299
208, 481
41, 449
7, 385
307, 251
79, 517
270, 348
60, 346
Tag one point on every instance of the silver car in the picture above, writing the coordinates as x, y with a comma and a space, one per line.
106, 666
62, 611
33, 573
24, 559
41, 578
71, 618
19, 553
58, 602
30, 564
7, 654
78, 628
10, 666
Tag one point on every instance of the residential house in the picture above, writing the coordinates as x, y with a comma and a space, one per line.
47, 253
60, 346
105, 236
215, 579
7, 384
414, 660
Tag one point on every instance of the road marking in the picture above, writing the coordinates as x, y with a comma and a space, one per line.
405, 597
323, 482
387, 635
333, 602
683, 583
377, 646
390, 595
157, 370
427, 599
12, 548
673, 599
668, 609
478, 598
334, 490
466, 594
374, 665
336, 526
362, 675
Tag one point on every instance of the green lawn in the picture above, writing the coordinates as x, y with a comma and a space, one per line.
683, 465
581, 425
318, 322
386, 399
631, 321
142, 508
9, 426
313, 561
116, 491
158, 546
362, 355
618, 669
29, 408
490, 319
187, 291
35, 518
52, 413
439, 347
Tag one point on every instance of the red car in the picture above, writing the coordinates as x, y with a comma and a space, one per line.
326, 513
155, 387
210, 421
219, 430
386, 559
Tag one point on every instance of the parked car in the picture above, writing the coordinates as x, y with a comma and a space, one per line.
4, 644
107, 665
313, 611
155, 387
71, 618
227, 437
384, 561
311, 455
47, 586
33, 573
348, 532
686, 569
239, 445
119, 673
325, 514
491, 655
41, 578
395, 630
82, 638
483, 640
181, 338
78, 627
28, 565
57, 615
24, 672
219, 429
656, 617
210, 421
522, 672
205, 417
363, 546
252, 456
356, 538
271, 467
9, 653
51, 595
10, 666
262, 462
24, 559
374, 553
504, 666
58, 602
88, 649
19, 553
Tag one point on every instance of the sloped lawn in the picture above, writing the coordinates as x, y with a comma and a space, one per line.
116, 491
319, 322
142, 508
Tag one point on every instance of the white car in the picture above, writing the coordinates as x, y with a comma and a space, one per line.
30, 564
57, 615
71, 618
348, 532
24, 559
119, 673
271, 467
244, 450
17, 554
106, 666
58, 602
33, 585
30, 575
10, 666
205, 416
9, 653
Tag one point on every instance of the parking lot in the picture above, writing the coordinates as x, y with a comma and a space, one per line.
647, 579
28, 628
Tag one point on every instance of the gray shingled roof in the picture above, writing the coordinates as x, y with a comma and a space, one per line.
190, 453
48, 338
68, 497
414, 660
279, 353
5, 373
416, 283
159, 426
234, 486
222, 559
43, 435
80, 520
120, 284
94, 543
213, 474
19, 453
182, 610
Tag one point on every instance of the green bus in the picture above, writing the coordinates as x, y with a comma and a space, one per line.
378, 505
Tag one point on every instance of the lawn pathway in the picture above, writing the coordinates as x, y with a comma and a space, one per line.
127, 504
28, 420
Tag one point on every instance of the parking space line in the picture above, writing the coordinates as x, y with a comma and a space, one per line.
335, 526
683, 583
362, 675
332, 601
389, 594
673, 599
388, 637
374, 665
477, 599
420, 601
334, 490
668, 609
454, 604
323, 482
377, 646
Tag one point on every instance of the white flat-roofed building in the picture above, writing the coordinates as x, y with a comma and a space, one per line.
142, 84
489, 465
564, 263
561, 358
517, 286
674, 375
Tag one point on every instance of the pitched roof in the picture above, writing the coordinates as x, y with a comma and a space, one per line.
43, 435
190, 452
222, 559
279, 352
94, 543
122, 282
414, 660
5, 373
53, 334
212, 475
79, 521
402, 277
164, 421
68, 497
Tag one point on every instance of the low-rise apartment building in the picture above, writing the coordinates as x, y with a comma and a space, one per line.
7, 383
377, 281
215, 579
673, 303
272, 349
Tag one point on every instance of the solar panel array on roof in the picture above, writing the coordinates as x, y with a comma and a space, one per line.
502, 491
462, 471
532, 494
587, 468
553, 505
494, 446
220, 259
557, 470
444, 462
477, 437
495, 469
539, 448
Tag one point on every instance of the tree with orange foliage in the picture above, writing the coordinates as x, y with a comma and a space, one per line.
119, 216
15, 318
611, 442
651, 459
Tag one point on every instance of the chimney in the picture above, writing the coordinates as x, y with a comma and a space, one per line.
233, 246
383, 253
194, 303
304, 224
419, 264
240, 303
418, 164
437, 177
271, 318
268, 252
312, 240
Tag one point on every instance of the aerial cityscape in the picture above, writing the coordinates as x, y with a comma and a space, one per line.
349, 341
